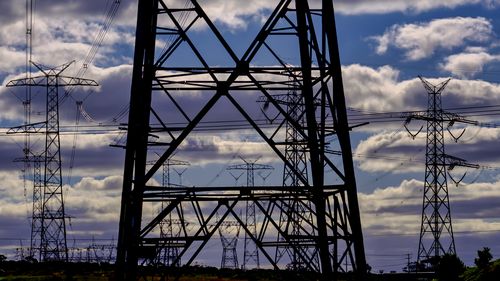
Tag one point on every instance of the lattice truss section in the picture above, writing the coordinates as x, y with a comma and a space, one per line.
186, 75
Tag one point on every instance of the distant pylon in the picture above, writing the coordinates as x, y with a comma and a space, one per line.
52, 225
250, 249
436, 231
229, 232
169, 228
37, 200
294, 211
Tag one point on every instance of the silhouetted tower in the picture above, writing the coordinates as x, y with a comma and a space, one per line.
53, 218
229, 232
436, 232
169, 227
30, 158
37, 199
250, 249
227, 82
294, 211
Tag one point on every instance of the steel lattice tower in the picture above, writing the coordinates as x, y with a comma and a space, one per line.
168, 254
184, 66
250, 249
37, 207
51, 224
37, 196
297, 210
229, 254
436, 232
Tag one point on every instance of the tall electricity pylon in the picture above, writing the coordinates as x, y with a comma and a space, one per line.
229, 232
250, 249
436, 231
50, 224
37, 196
167, 255
225, 81
294, 212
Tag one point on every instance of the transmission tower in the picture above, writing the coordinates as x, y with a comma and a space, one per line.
293, 29
229, 232
250, 249
29, 156
50, 224
436, 232
294, 212
37, 199
93, 253
169, 227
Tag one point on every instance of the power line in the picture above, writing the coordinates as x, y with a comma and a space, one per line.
243, 124
96, 44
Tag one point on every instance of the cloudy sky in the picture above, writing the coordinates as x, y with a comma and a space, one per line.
384, 46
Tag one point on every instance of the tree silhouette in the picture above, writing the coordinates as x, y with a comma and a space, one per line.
483, 258
449, 268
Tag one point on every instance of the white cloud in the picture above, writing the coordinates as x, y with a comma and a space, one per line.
95, 199
391, 6
204, 149
422, 40
377, 89
469, 64
234, 10
62, 38
235, 14
390, 151
380, 89
378, 217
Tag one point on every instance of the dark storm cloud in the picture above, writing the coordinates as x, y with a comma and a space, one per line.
477, 208
100, 160
10, 12
481, 208
10, 149
13, 10
13, 225
479, 152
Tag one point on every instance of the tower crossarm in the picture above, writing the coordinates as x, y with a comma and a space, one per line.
28, 128
171, 162
453, 161
250, 166
75, 81
42, 81
32, 81
456, 118
30, 158
230, 223
284, 99
445, 117
419, 115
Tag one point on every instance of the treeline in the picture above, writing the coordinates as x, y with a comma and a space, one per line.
451, 268
446, 268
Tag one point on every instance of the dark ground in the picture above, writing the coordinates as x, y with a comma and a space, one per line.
17, 270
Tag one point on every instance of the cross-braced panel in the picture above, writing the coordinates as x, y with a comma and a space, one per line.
186, 76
